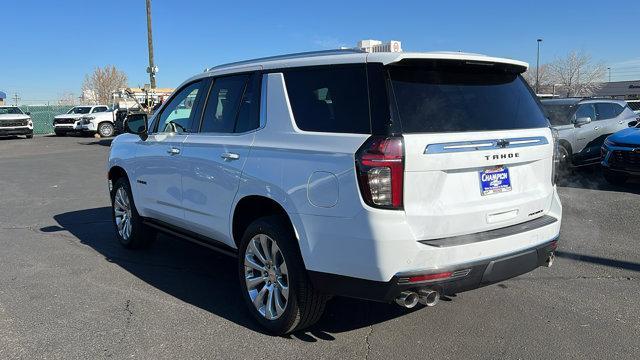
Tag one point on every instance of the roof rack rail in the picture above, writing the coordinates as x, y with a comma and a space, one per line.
290, 56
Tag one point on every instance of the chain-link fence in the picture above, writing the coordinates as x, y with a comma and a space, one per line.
42, 116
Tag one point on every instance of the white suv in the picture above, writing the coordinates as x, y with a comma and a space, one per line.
384, 176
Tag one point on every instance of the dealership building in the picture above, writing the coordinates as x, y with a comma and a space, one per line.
624, 90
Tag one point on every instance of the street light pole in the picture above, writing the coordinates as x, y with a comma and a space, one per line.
152, 69
609, 73
538, 67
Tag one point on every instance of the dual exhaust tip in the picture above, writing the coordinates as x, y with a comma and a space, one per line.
426, 297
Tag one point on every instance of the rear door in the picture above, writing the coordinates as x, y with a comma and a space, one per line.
159, 166
215, 156
478, 149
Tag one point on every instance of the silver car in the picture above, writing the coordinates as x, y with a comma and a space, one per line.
583, 124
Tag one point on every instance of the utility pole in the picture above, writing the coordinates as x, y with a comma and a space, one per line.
538, 67
16, 98
609, 73
152, 68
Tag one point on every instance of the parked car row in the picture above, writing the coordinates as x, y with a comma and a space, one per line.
593, 131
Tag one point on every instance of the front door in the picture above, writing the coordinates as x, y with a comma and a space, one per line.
216, 155
160, 165
586, 133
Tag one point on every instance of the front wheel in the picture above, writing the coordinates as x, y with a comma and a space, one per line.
129, 228
30, 136
106, 129
273, 280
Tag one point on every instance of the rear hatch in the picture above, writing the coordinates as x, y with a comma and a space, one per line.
478, 149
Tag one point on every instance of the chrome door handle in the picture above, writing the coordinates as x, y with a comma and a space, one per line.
596, 128
230, 156
173, 151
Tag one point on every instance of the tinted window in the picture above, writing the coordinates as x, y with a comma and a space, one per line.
99, 109
222, 106
558, 114
180, 113
441, 97
634, 105
330, 99
586, 110
249, 113
607, 110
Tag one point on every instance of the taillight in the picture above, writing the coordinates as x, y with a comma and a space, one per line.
556, 156
380, 168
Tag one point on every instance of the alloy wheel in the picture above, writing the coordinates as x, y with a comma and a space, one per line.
266, 276
122, 211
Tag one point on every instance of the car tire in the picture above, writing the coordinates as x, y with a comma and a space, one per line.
274, 282
564, 161
106, 129
59, 133
130, 231
30, 136
615, 178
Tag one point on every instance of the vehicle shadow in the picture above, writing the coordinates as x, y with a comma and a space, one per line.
205, 278
590, 177
102, 142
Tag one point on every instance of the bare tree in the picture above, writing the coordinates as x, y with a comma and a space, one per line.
543, 75
103, 81
578, 75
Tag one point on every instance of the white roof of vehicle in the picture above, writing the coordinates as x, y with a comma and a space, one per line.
352, 56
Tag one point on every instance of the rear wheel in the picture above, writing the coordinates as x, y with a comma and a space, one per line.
615, 178
106, 129
273, 279
60, 133
129, 229
30, 136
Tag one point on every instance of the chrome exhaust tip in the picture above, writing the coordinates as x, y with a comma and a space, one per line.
428, 297
550, 259
407, 299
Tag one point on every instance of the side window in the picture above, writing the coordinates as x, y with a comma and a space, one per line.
330, 99
180, 113
222, 106
607, 110
99, 109
586, 110
249, 113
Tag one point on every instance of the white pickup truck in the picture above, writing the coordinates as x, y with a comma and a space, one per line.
101, 122
72, 120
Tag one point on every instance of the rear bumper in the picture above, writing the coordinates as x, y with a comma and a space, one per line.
16, 131
477, 274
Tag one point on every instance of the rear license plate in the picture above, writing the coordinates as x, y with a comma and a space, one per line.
495, 180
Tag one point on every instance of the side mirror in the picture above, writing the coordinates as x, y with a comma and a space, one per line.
634, 123
582, 121
137, 124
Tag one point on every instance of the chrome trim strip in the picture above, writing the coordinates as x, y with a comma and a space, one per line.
479, 145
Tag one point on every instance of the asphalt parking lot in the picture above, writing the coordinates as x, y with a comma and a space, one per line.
68, 290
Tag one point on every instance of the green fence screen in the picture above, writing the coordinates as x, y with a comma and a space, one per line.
42, 116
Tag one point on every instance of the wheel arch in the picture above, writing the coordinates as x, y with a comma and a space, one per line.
116, 173
252, 207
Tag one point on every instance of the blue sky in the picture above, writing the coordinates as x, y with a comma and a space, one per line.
48, 46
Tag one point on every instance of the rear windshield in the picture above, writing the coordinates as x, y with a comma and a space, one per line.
456, 98
559, 114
